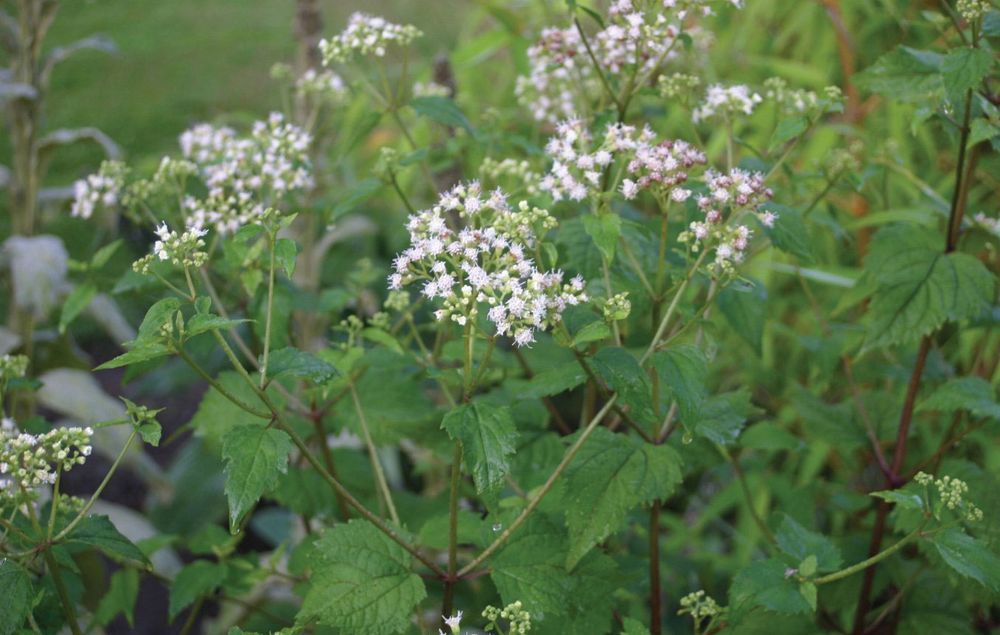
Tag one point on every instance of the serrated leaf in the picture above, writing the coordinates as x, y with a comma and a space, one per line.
801, 543
786, 130
621, 371
291, 362
120, 598
78, 300
605, 229
904, 74
198, 579
901, 498
722, 416
150, 432
919, 288
634, 627
767, 585
683, 372
15, 589
973, 394
204, 322
745, 310
969, 557
531, 567
99, 532
255, 456
216, 414
156, 316
141, 353
362, 582
488, 437
441, 110
611, 475
965, 68
555, 380
286, 251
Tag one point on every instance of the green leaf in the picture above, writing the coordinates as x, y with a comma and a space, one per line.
808, 567
722, 416
204, 322
633, 626
808, 591
488, 437
555, 380
592, 332
919, 288
789, 233
904, 74
973, 394
362, 582
120, 598
159, 314
801, 543
103, 255
442, 110
766, 584
355, 196
286, 251
965, 68
255, 456
611, 475
99, 532
291, 362
78, 300
786, 130
198, 579
216, 414
901, 498
150, 432
531, 567
744, 307
141, 353
15, 589
605, 229
383, 337
969, 557
683, 372
621, 370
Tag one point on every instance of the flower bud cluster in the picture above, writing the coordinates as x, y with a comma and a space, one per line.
617, 307
800, 101
699, 606
726, 101
99, 191
324, 86
661, 166
485, 263
28, 460
737, 191
679, 86
518, 619
972, 10
636, 38
185, 249
242, 173
366, 35
952, 493
13, 367
518, 170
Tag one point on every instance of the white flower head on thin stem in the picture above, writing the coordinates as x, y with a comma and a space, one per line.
726, 101
454, 622
366, 35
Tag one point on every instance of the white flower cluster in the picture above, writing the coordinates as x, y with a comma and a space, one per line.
98, 191
972, 10
323, 85
577, 165
661, 166
485, 263
13, 366
185, 249
639, 37
243, 173
366, 35
699, 606
726, 101
28, 461
738, 192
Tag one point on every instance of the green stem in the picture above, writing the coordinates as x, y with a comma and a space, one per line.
864, 564
57, 581
748, 495
597, 66
270, 310
373, 455
452, 579
673, 307
219, 387
100, 488
567, 458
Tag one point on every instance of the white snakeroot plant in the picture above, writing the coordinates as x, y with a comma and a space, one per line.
485, 263
726, 101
